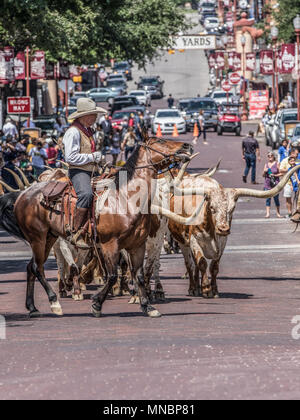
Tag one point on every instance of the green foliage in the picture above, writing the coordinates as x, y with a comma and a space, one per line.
90, 31
284, 15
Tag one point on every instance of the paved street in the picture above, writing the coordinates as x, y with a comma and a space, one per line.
239, 346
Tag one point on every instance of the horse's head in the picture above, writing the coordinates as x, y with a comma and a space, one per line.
163, 152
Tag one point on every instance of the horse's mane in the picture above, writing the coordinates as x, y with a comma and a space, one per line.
129, 167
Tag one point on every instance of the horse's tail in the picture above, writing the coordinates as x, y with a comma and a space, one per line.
8, 220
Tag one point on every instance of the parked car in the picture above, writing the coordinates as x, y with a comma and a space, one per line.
220, 96
118, 117
278, 131
209, 108
123, 102
143, 97
229, 119
117, 86
80, 94
124, 68
118, 76
151, 84
296, 134
102, 94
167, 119
46, 123
211, 23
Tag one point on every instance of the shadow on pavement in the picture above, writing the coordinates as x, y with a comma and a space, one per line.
19, 266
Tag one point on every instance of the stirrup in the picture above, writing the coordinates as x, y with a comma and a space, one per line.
78, 241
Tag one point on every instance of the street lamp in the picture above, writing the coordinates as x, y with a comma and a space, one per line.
243, 43
274, 36
296, 23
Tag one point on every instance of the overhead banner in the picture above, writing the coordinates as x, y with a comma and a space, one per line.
258, 102
19, 66
266, 62
278, 58
38, 66
194, 42
250, 61
7, 65
288, 58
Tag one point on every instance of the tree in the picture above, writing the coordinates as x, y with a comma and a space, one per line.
90, 31
284, 15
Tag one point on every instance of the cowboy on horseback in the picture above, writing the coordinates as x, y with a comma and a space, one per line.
82, 157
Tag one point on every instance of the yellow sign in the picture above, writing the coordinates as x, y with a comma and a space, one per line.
77, 79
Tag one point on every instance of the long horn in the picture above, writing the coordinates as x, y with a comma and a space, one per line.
10, 189
211, 171
245, 192
175, 217
24, 177
180, 175
49, 167
17, 179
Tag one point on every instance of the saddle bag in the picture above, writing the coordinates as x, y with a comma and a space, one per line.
53, 191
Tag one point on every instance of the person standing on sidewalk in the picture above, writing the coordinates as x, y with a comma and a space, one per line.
250, 151
201, 128
272, 174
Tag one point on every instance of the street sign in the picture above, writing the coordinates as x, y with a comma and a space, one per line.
226, 86
18, 105
194, 42
234, 78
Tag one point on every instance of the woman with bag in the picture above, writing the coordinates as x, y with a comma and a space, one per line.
272, 174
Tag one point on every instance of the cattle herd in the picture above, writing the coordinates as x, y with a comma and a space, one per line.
126, 254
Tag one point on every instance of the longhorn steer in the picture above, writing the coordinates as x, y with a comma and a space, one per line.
206, 238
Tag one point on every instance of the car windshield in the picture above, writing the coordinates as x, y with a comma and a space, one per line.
120, 66
184, 105
289, 117
149, 81
137, 94
197, 105
167, 114
207, 5
212, 20
297, 131
118, 82
120, 115
45, 125
222, 94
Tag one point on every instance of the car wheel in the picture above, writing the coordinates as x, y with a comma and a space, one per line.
219, 131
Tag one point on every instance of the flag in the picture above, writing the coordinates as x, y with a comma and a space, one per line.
212, 60
220, 60
7, 65
19, 66
266, 62
250, 61
38, 66
288, 58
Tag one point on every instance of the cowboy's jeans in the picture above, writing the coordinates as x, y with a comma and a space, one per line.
81, 181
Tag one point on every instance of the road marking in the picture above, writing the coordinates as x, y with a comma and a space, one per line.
260, 220
265, 249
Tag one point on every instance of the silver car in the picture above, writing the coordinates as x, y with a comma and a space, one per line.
167, 119
278, 131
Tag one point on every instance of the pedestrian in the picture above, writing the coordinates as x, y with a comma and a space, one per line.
7, 176
170, 101
290, 100
10, 129
31, 144
288, 189
129, 142
39, 158
107, 131
201, 128
272, 175
250, 152
283, 151
116, 143
51, 153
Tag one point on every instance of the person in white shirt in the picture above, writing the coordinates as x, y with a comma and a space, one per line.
10, 129
82, 157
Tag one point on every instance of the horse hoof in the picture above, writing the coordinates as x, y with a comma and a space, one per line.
217, 296
96, 312
82, 287
134, 299
208, 295
78, 298
152, 312
56, 308
125, 293
34, 314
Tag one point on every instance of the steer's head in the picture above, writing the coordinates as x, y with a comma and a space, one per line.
220, 206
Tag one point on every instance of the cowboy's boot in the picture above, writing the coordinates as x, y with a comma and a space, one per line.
77, 237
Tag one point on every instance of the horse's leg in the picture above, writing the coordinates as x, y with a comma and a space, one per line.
111, 253
41, 251
137, 261
30, 291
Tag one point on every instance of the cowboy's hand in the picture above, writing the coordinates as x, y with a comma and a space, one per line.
97, 156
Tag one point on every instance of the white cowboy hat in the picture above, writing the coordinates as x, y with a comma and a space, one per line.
86, 106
